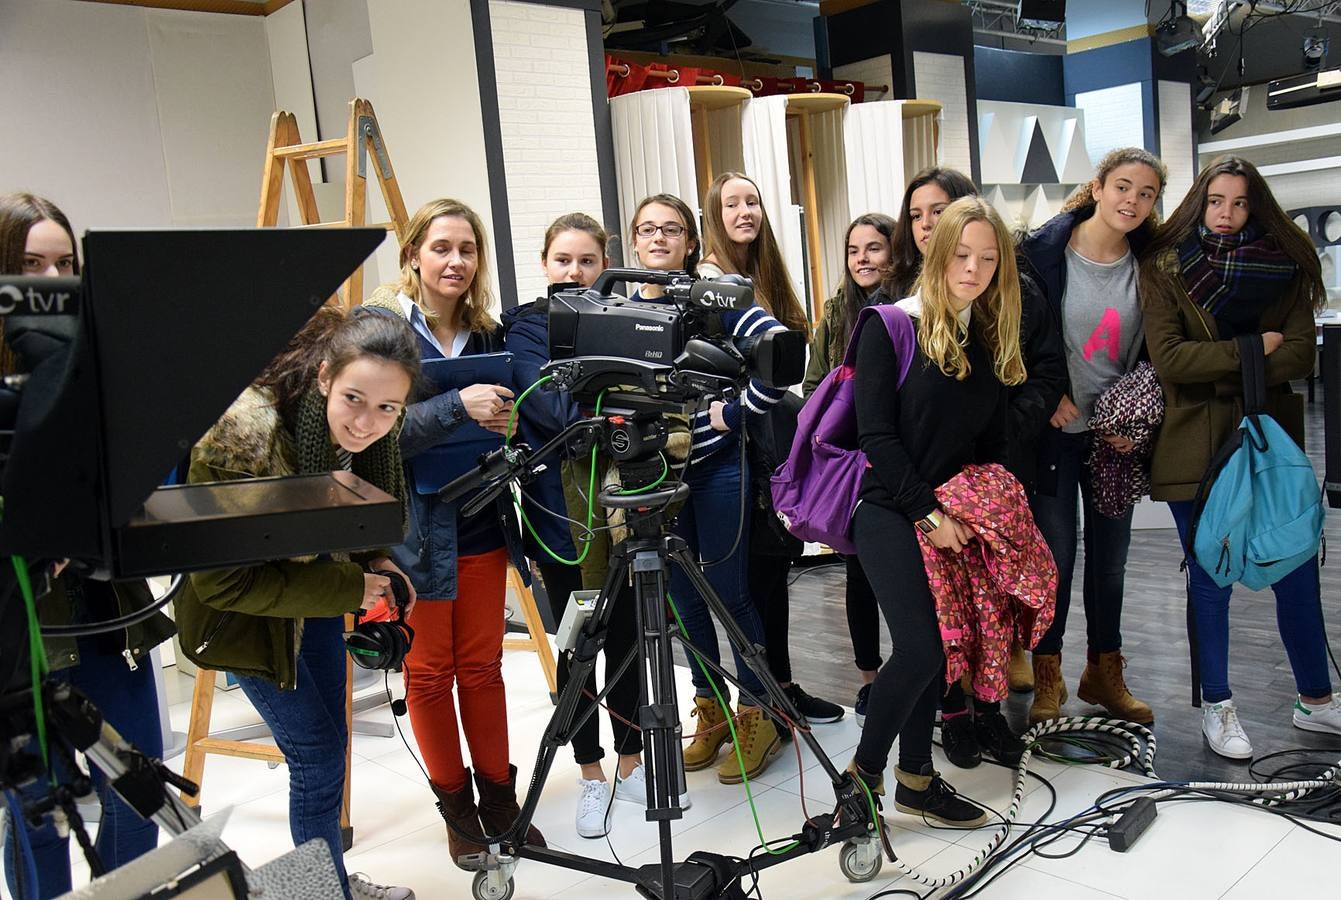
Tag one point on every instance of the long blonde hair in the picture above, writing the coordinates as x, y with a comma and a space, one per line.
473, 310
996, 311
761, 260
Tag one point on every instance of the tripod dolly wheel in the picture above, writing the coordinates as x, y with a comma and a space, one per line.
860, 860
485, 888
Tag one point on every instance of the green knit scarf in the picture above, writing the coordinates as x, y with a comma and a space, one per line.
380, 464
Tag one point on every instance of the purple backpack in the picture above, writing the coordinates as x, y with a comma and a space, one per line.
815, 491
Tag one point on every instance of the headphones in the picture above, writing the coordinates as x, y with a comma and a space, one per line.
383, 645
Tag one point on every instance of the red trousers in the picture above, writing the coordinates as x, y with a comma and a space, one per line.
459, 642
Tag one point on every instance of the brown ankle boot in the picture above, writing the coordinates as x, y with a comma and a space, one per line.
1049, 688
499, 809
1103, 685
463, 821
708, 739
1020, 675
759, 746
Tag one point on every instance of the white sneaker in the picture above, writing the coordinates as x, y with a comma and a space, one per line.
361, 887
634, 789
593, 808
1325, 718
1220, 725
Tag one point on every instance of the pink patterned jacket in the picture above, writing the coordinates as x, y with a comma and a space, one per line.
1003, 584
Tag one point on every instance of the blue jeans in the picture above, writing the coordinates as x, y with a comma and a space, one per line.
308, 724
708, 523
1298, 618
129, 704
1106, 544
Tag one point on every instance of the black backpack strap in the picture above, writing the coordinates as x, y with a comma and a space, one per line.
1227, 449
1252, 361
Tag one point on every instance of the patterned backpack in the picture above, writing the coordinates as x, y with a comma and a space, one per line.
815, 491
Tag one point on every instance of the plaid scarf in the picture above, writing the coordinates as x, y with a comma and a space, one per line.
1220, 268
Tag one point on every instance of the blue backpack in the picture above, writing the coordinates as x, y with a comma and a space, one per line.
1258, 511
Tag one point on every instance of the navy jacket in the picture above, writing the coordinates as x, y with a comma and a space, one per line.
429, 553
1042, 259
540, 418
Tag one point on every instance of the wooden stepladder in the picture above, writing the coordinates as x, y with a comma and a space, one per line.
362, 145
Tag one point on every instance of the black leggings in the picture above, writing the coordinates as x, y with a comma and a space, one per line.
909, 685
863, 617
560, 581
768, 576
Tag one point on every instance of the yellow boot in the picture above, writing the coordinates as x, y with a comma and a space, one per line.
1020, 675
759, 745
708, 739
1103, 685
1049, 688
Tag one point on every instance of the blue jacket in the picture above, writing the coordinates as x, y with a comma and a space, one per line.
540, 417
429, 553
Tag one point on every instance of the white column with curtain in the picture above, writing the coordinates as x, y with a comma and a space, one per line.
654, 152
873, 134
763, 128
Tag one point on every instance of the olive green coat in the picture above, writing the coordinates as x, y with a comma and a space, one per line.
825, 352
248, 620
1203, 392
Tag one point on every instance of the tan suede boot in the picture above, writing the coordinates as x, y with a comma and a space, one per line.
708, 739
1020, 675
759, 746
1049, 688
1103, 685
463, 821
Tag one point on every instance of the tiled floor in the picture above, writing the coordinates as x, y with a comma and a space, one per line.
1191, 851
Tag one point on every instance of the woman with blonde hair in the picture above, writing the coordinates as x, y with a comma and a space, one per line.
1084, 259
458, 565
966, 315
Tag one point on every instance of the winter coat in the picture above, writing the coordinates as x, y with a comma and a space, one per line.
1002, 586
1041, 256
1203, 388
248, 619
78, 600
429, 553
542, 416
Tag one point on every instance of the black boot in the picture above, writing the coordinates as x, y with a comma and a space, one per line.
959, 740
499, 809
929, 796
996, 738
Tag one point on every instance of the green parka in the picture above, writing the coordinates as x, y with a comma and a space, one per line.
248, 620
1203, 390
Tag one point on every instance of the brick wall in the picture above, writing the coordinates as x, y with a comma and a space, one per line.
549, 138
940, 77
873, 71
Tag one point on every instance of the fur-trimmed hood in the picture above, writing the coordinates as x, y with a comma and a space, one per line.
250, 439
386, 296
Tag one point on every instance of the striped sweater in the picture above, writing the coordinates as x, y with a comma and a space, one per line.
757, 397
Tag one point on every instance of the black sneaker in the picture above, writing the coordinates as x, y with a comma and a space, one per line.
931, 797
996, 738
863, 701
959, 740
816, 711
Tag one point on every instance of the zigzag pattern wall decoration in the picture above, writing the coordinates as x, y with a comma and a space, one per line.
1031, 157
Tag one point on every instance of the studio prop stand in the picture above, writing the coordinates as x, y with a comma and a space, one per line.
645, 557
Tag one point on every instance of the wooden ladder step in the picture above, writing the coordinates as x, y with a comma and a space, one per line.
243, 749
314, 150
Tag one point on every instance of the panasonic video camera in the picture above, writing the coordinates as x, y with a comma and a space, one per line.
667, 353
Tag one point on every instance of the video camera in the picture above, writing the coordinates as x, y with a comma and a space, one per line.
658, 356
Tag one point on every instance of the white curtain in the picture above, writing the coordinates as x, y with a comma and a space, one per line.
832, 189
921, 144
763, 126
873, 134
654, 152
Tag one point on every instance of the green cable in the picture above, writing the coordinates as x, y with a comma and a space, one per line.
38, 657
735, 739
665, 470
591, 482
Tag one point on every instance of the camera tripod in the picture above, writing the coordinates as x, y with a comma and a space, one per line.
645, 556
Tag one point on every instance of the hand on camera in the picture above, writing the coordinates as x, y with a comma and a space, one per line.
715, 417
490, 405
1271, 341
950, 535
1067, 412
385, 564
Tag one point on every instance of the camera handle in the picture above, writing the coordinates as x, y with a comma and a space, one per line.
646, 557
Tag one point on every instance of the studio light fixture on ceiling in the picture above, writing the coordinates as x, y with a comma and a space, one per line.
1315, 50
1176, 32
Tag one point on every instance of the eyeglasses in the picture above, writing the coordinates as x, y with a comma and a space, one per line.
670, 229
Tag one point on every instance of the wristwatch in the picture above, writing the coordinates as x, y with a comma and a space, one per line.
929, 523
